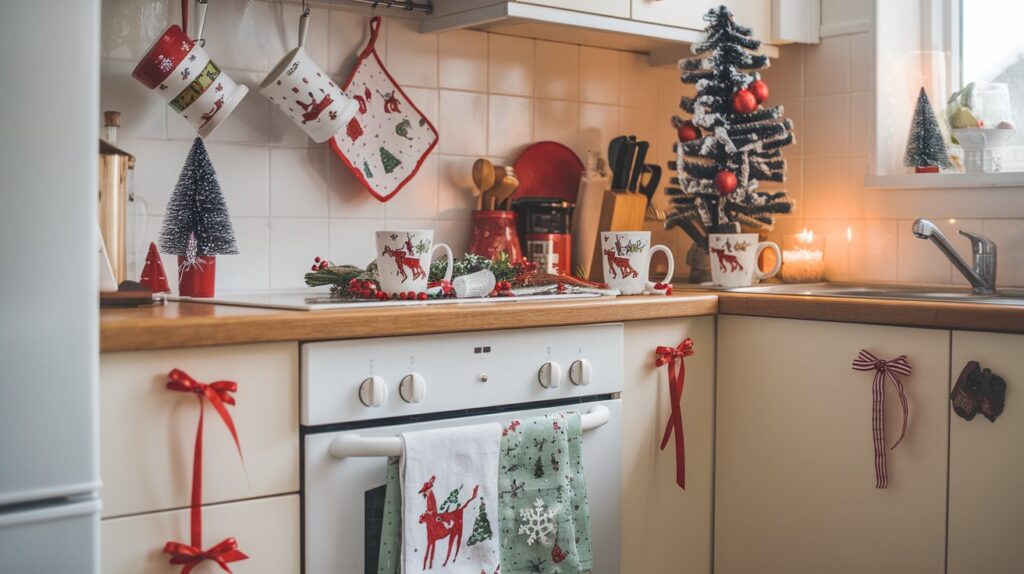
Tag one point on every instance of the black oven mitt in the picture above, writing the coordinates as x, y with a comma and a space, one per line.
978, 390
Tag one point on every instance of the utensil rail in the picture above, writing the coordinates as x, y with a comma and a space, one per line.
353, 445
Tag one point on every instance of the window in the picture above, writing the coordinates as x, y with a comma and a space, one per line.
991, 55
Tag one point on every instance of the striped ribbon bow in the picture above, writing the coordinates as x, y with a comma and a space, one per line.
893, 369
669, 355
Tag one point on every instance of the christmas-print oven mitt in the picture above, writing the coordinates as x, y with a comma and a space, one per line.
389, 138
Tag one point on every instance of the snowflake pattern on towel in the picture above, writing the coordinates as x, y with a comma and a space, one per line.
538, 523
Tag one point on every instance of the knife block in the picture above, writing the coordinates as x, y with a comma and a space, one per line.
620, 211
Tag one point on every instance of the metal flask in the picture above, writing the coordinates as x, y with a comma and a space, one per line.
114, 182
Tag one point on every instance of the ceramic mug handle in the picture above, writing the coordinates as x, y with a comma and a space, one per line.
671, 263
448, 268
758, 274
303, 26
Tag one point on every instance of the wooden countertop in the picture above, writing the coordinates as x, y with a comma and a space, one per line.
932, 314
192, 324
177, 325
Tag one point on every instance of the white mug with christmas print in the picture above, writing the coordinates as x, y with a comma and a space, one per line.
403, 260
627, 261
303, 91
734, 259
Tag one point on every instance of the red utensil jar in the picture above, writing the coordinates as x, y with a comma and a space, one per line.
494, 233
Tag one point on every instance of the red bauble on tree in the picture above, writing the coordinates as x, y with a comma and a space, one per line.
726, 182
759, 89
744, 102
688, 132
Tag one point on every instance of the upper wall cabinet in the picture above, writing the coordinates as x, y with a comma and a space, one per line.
652, 26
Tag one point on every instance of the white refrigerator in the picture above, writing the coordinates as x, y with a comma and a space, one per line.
49, 350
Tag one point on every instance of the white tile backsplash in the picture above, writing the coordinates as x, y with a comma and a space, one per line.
489, 95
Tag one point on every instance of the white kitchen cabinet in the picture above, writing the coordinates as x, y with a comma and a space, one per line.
617, 8
986, 464
147, 432
795, 481
756, 14
664, 528
267, 530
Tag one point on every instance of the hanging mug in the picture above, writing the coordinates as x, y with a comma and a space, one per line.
627, 261
191, 83
299, 88
734, 259
403, 260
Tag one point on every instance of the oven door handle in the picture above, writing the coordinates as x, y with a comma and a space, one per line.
350, 445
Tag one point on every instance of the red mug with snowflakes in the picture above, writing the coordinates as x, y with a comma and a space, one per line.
734, 259
403, 260
306, 94
181, 71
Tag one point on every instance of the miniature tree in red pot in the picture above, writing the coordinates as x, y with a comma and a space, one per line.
197, 226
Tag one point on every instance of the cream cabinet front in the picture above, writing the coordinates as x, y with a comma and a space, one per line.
756, 14
665, 528
986, 464
147, 432
795, 475
617, 8
266, 530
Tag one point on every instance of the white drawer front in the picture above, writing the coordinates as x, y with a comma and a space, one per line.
267, 530
147, 432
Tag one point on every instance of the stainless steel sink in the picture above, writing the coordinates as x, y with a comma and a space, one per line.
892, 291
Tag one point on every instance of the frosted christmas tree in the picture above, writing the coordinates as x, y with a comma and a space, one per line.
481, 526
730, 142
197, 226
926, 146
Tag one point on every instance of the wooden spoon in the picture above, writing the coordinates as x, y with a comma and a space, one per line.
500, 172
483, 177
503, 190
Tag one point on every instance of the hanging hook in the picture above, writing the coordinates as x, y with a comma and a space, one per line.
201, 6
303, 23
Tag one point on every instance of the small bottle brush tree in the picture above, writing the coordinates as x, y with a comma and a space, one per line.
731, 142
926, 146
197, 226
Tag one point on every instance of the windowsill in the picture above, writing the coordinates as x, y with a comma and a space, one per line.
946, 180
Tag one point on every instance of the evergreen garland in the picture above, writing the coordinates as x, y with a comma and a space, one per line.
748, 145
197, 223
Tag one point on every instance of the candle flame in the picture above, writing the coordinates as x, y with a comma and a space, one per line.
849, 233
806, 236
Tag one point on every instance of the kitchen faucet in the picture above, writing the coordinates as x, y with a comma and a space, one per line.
982, 274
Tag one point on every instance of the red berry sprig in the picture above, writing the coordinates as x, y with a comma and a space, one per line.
502, 289
363, 289
320, 264
666, 287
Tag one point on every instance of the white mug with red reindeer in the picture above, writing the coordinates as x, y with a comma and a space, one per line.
734, 259
403, 260
303, 91
627, 261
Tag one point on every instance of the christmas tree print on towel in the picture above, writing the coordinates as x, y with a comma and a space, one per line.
388, 160
444, 523
481, 526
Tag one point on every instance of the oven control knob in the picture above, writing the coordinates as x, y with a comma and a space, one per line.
549, 375
580, 372
413, 388
373, 392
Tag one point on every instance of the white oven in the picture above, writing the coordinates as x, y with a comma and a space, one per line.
358, 395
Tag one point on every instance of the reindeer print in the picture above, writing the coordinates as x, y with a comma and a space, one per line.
403, 261
390, 102
625, 269
441, 525
314, 107
723, 258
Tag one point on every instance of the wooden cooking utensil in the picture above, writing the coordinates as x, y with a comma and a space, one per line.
483, 177
503, 191
500, 172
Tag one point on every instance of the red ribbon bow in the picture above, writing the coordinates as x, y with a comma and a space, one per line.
892, 369
191, 555
223, 553
669, 356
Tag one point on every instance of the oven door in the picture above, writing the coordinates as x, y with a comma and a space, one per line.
344, 499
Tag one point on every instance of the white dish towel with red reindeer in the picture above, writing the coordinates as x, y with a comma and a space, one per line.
450, 500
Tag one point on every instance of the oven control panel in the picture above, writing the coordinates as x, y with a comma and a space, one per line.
363, 379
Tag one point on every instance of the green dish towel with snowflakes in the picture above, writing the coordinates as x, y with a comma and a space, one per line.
389, 559
545, 522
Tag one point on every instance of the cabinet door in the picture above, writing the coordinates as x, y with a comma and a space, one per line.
986, 464
617, 8
690, 13
664, 528
267, 530
147, 433
795, 483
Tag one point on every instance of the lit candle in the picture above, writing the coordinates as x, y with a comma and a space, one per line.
803, 258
